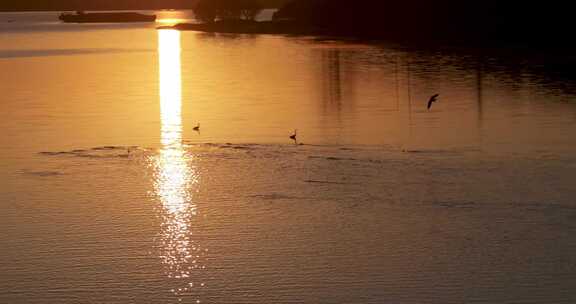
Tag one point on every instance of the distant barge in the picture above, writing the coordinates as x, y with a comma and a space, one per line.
114, 17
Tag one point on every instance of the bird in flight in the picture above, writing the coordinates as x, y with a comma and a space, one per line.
432, 100
197, 128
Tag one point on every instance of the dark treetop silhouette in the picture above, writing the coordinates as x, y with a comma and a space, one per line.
510, 21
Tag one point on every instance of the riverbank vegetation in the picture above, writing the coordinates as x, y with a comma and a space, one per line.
511, 21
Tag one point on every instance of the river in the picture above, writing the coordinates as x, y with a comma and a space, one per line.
109, 195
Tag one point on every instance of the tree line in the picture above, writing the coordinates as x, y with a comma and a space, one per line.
508, 19
209, 11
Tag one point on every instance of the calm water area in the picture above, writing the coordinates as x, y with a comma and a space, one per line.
109, 195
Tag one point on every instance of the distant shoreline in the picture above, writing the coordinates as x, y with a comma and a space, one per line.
249, 27
297, 29
93, 10
71, 9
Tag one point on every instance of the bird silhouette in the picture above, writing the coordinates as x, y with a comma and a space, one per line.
432, 100
293, 136
197, 128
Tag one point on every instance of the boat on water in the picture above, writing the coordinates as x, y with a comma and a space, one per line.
109, 17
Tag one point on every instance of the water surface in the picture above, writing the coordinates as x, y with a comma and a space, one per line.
108, 195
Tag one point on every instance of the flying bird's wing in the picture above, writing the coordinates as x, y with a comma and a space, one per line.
432, 100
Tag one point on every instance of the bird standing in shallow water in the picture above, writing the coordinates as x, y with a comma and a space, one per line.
432, 100
197, 128
293, 136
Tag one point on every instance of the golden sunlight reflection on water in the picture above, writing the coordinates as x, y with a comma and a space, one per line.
175, 179
170, 21
173, 17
